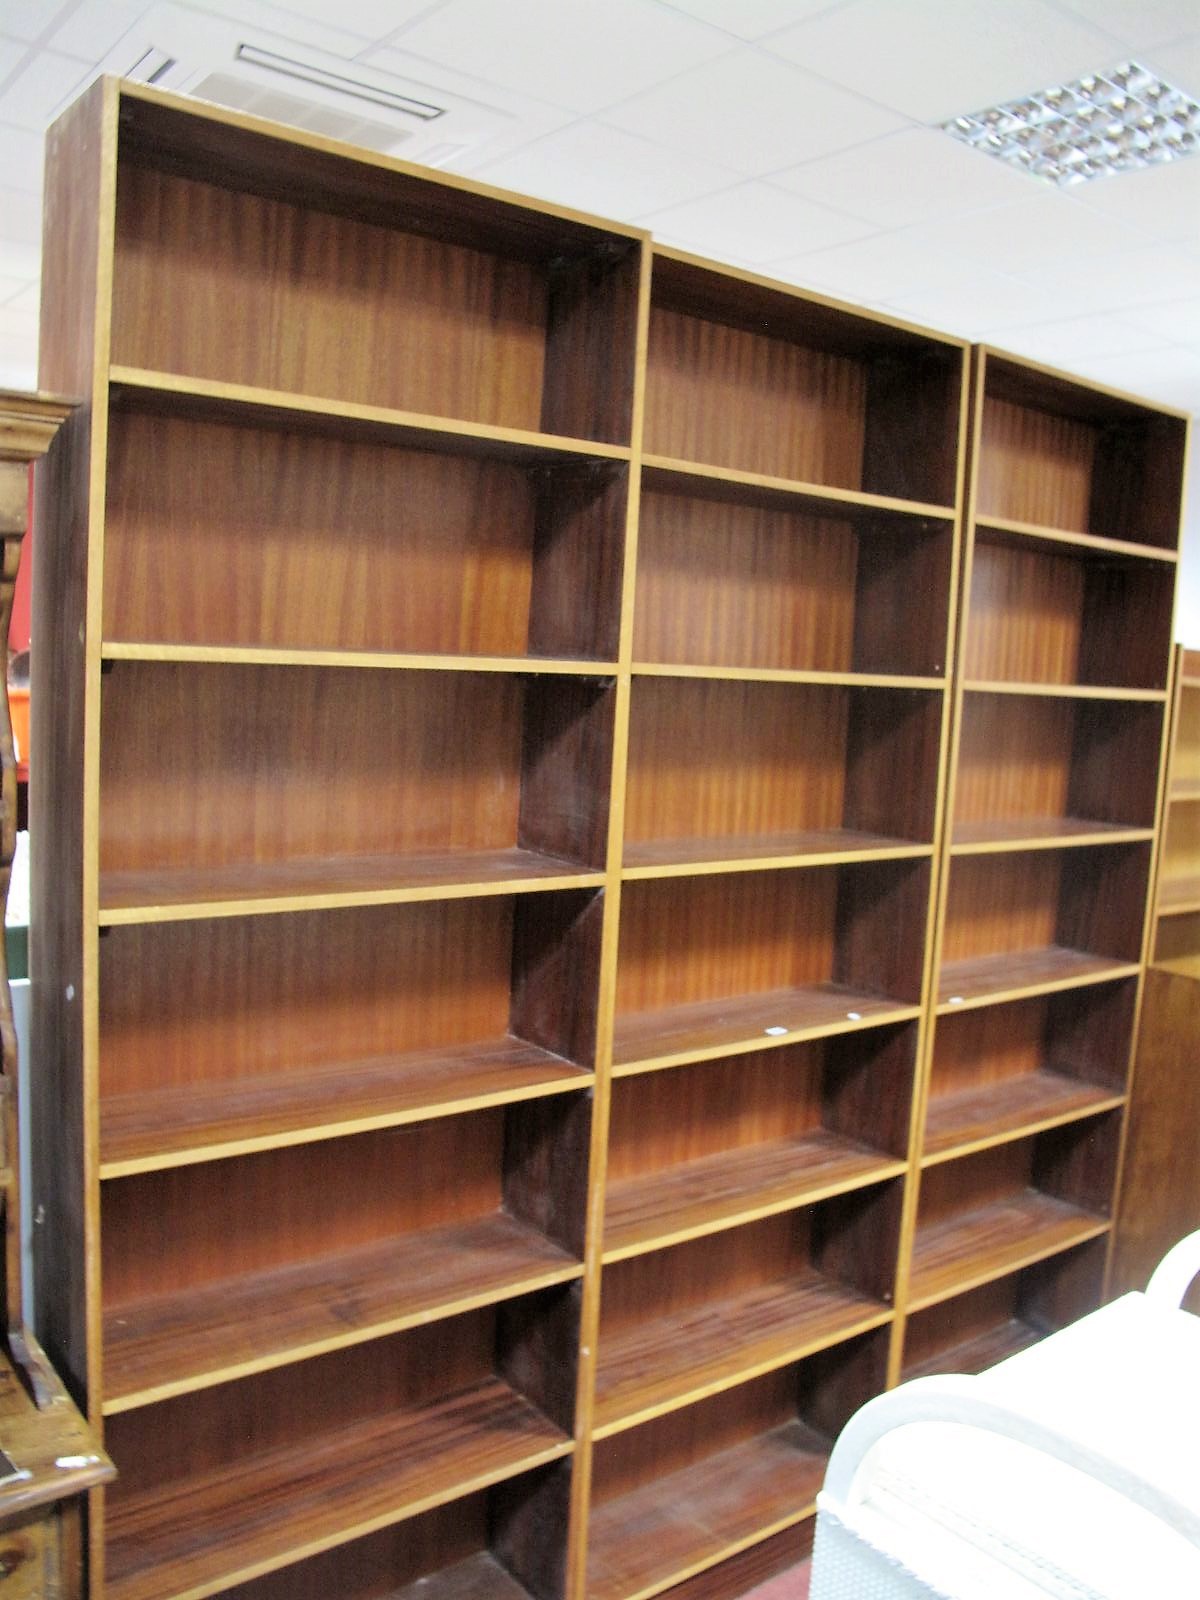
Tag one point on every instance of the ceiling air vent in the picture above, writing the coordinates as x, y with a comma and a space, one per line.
215, 59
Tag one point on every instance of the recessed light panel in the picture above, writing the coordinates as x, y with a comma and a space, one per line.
1105, 123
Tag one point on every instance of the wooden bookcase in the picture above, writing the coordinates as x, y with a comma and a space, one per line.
1054, 792
1160, 1197
518, 1068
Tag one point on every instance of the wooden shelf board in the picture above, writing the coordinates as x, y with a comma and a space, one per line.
174, 394
985, 980
655, 1536
479, 1577
730, 674
149, 1130
1061, 691
671, 858
175, 1343
1184, 789
977, 1354
676, 1360
1071, 541
1177, 895
736, 1186
997, 1112
701, 1031
193, 1538
1041, 833
666, 473
257, 888
247, 655
976, 1247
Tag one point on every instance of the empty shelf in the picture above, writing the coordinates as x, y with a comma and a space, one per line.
964, 1251
201, 1535
172, 1343
1006, 1109
979, 1353
710, 1028
1041, 833
653, 1537
1178, 895
735, 1186
982, 980
674, 1360
142, 1131
663, 858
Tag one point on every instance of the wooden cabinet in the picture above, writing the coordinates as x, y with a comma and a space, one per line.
1054, 789
496, 822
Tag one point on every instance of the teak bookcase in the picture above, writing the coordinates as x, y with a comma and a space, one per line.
492, 811
1160, 1196
1068, 580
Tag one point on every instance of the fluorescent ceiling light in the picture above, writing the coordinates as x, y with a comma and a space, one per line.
1105, 123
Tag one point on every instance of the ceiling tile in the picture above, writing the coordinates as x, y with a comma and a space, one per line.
1139, 24
874, 269
27, 297
930, 60
1178, 63
10, 290
11, 56
1169, 376
1146, 275
912, 176
371, 19
753, 113
755, 222
606, 170
21, 156
1081, 338
29, 19
976, 303
1177, 321
1043, 228
40, 89
750, 19
20, 217
19, 260
1156, 202
92, 27
582, 54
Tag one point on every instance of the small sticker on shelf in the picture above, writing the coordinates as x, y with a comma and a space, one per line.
854, 1016
775, 1032
955, 1000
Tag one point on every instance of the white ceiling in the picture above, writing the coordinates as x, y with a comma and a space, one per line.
793, 136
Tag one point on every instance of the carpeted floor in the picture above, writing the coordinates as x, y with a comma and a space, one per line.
789, 1585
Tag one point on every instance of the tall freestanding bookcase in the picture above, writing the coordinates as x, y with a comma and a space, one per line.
494, 697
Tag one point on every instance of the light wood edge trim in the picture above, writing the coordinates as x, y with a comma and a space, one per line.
852, 500
1072, 841
862, 1322
1018, 1261
822, 858
1099, 543
1062, 691
732, 1547
965, 473
798, 1201
575, 1578
1125, 969
302, 1549
813, 297
848, 680
743, 1046
264, 905
1185, 908
288, 1355
317, 1133
402, 661
994, 352
435, 177
1025, 1130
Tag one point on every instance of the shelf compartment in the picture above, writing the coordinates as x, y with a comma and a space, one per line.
713, 966
1047, 920
507, 315
985, 1215
254, 532
505, 1544
239, 1480
1038, 772
973, 1331
1002, 1072
735, 577
313, 786
204, 1281
679, 1495
724, 774
679, 1324
1179, 868
1045, 617
714, 1145
759, 378
221, 1038
1056, 453
1049, 537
